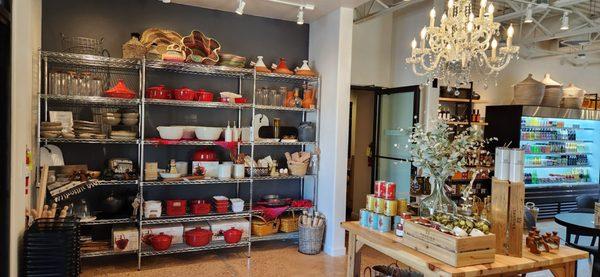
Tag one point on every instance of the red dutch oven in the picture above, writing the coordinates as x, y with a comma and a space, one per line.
161, 241
198, 237
184, 93
233, 235
200, 207
205, 155
158, 92
204, 96
176, 207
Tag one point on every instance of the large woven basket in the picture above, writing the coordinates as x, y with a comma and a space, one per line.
298, 169
262, 227
310, 239
289, 223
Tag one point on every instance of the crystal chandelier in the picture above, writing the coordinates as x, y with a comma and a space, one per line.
461, 43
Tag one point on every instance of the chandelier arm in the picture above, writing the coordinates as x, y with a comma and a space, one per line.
414, 69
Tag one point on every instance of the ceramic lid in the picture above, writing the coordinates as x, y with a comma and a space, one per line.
530, 81
572, 88
549, 82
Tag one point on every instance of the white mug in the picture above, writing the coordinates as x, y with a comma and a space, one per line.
238, 171
224, 171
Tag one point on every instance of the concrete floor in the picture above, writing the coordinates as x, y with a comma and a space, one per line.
268, 259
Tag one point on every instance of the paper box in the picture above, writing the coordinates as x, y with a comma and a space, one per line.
124, 238
219, 226
175, 230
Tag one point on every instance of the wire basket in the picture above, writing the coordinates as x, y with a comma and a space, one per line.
310, 239
82, 45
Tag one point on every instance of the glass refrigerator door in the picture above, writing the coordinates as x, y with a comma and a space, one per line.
560, 151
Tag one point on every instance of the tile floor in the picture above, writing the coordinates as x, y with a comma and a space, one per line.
268, 259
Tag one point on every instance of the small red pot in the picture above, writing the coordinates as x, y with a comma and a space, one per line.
199, 207
240, 100
204, 96
198, 237
176, 207
233, 235
184, 93
222, 208
161, 241
158, 92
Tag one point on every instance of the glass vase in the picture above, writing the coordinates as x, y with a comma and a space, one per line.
437, 201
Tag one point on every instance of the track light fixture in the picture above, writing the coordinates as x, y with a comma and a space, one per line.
300, 20
529, 14
166, 1
565, 21
240, 8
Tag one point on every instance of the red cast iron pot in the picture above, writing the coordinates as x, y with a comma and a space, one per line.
222, 208
184, 93
200, 207
204, 96
233, 235
158, 92
161, 242
176, 207
205, 155
198, 237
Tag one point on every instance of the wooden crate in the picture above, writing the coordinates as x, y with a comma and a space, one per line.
455, 251
507, 216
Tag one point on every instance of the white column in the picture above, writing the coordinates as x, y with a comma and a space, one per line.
330, 49
26, 40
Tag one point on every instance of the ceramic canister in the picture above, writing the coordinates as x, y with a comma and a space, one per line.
379, 188
501, 163
391, 207
364, 217
374, 221
515, 171
380, 206
384, 223
371, 202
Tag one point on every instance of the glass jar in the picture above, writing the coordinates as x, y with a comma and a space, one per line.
86, 83
437, 201
52, 87
96, 87
273, 97
264, 97
281, 96
71, 83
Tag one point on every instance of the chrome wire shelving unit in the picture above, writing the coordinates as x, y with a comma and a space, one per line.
137, 73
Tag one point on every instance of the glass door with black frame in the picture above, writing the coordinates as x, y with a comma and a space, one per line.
397, 111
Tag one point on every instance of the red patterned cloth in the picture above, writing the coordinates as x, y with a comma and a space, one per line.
270, 213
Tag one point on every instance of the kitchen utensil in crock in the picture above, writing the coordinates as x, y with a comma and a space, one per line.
198, 237
233, 235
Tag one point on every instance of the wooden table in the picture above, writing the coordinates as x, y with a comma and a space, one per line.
561, 263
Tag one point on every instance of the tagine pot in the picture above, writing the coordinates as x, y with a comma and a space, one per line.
260, 66
281, 67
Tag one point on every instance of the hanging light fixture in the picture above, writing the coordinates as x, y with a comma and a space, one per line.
529, 14
240, 8
462, 42
300, 19
565, 21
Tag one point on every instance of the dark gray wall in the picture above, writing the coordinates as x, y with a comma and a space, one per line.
114, 20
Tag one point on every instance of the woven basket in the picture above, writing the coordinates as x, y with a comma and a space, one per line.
264, 228
132, 51
289, 223
310, 239
298, 169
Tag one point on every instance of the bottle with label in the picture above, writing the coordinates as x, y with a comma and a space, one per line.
297, 99
228, 136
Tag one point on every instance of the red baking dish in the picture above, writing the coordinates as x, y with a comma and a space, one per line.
200, 207
198, 237
176, 207
158, 92
184, 93
240, 100
204, 96
222, 208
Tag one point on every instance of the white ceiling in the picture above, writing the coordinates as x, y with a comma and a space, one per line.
264, 8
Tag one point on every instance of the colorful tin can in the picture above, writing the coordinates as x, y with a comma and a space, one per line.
371, 202
380, 206
364, 218
379, 188
374, 221
402, 206
385, 223
389, 190
391, 207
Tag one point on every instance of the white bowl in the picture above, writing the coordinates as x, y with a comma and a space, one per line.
189, 132
129, 121
166, 175
208, 133
170, 132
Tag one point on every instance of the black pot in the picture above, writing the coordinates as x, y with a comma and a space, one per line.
112, 204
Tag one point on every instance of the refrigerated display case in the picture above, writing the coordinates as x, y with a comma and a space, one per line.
562, 160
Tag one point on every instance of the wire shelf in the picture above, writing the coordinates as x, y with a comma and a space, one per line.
196, 104
287, 177
116, 182
278, 236
194, 68
91, 100
90, 60
182, 142
272, 143
106, 253
288, 77
109, 221
281, 108
183, 248
194, 218
93, 141
193, 182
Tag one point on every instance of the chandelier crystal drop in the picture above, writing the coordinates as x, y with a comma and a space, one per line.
461, 43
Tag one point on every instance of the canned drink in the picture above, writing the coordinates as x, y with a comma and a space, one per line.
389, 190
371, 202
379, 188
374, 221
391, 207
364, 218
380, 206
402, 206
385, 223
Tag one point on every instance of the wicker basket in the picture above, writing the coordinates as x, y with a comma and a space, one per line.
133, 49
263, 227
289, 223
82, 45
298, 169
258, 171
310, 239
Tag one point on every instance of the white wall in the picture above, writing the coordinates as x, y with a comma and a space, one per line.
329, 48
371, 48
26, 40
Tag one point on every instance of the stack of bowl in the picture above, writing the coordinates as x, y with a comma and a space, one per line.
232, 60
51, 129
88, 129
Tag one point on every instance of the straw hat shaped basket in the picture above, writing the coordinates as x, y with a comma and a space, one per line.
529, 92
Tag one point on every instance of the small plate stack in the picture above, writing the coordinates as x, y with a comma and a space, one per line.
88, 130
50, 129
123, 135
